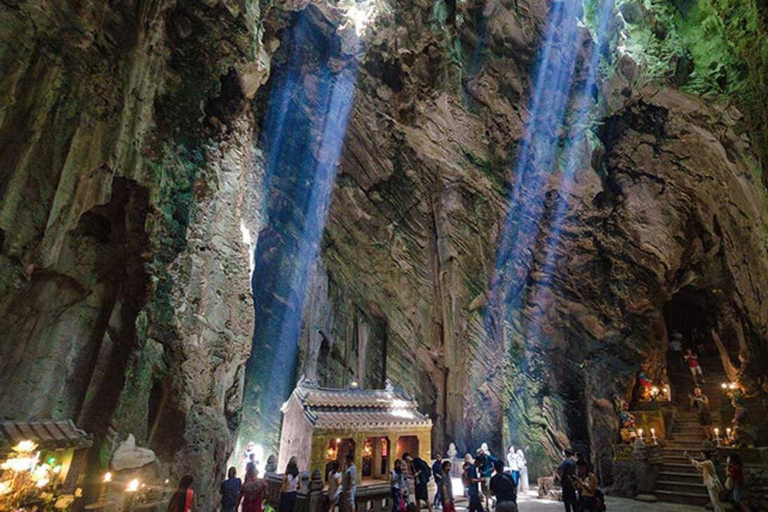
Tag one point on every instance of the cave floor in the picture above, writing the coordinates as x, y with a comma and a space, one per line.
532, 503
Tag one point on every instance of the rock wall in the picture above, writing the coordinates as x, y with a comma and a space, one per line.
125, 142
141, 163
667, 203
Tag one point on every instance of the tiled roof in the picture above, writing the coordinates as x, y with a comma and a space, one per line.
49, 435
357, 408
352, 419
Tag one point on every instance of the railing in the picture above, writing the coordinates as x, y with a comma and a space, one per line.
312, 497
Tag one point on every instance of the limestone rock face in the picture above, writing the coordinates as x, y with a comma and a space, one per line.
125, 148
140, 185
666, 213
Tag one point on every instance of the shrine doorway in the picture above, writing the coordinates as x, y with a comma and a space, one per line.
376, 458
407, 444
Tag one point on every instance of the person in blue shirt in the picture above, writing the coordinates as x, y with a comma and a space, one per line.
230, 491
473, 479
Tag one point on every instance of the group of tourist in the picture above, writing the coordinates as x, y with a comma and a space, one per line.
485, 480
251, 494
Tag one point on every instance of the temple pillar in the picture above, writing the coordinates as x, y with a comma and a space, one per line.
376, 457
359, 440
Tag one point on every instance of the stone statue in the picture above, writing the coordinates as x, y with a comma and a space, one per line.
130, 456
452, 452
271, 465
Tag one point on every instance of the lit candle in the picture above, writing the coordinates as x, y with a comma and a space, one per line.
640, 433
653, 435
717, 436
104, 485
724, 385
728, 433
133, 485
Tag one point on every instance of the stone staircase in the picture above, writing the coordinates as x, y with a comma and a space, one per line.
678, 480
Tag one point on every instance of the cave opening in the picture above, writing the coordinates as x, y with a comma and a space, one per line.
693, 313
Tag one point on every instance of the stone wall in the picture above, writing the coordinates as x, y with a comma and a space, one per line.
125, 142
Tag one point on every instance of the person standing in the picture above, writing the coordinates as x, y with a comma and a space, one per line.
504, 488
735, 481
334, 486
184, 498
522, 464
421, 474
486, 469
230, 491
676, 349
473, 479
514, 464
587, 487
399, 487
253, 492
437, 473
289, 487
566, 471
693, 365
709, 477
447, 488
348, 484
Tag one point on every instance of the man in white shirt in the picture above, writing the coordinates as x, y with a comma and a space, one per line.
676, 348
514, 464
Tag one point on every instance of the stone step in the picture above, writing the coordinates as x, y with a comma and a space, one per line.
682, 487
675, 459
686, 438
668, 475
682, 469
679, 450
678, 497
686, 441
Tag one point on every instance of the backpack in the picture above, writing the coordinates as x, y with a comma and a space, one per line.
426, 472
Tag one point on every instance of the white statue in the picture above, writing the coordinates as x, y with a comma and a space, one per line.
522, 485
452, 452
130, 456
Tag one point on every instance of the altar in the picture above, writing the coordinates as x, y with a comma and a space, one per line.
321, 425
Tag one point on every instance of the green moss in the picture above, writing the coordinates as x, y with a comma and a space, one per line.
711, 48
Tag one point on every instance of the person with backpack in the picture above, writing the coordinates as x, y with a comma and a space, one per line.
504, 488
421, 475
566, 473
